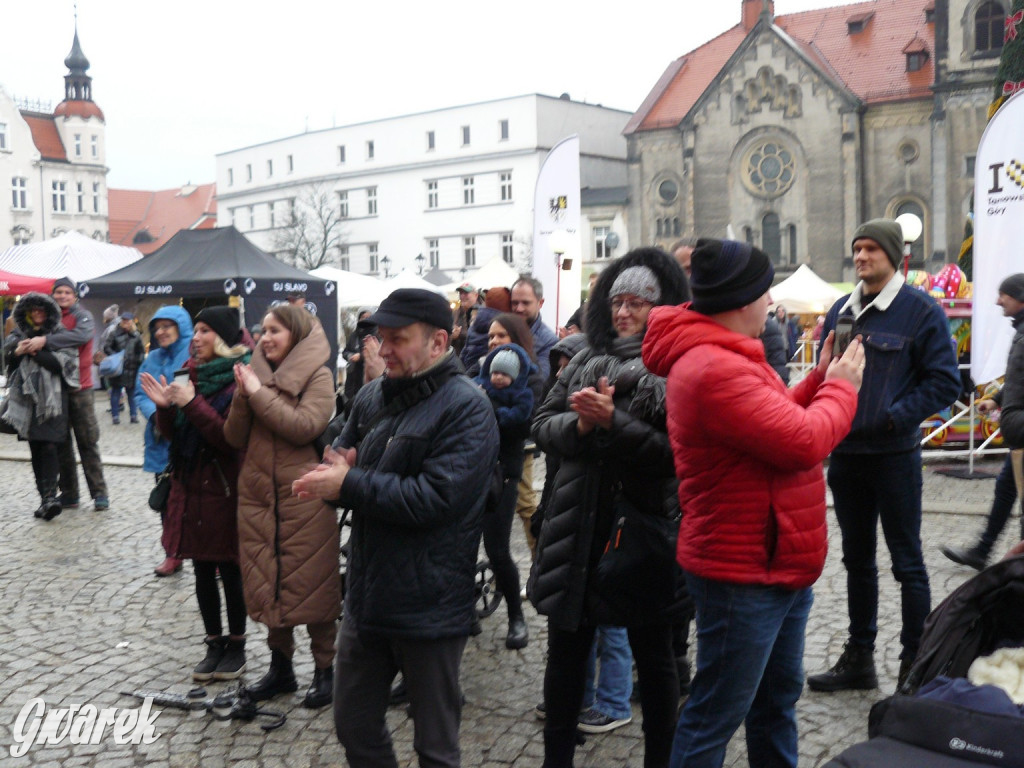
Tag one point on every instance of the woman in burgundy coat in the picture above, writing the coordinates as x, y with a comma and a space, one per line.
201, 518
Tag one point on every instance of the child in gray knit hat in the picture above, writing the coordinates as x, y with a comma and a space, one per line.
504, 368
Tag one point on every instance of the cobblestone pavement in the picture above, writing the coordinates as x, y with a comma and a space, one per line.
84, 619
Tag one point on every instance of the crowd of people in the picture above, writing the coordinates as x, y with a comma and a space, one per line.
657, 512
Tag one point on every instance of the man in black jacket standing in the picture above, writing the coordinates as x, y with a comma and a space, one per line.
417, 493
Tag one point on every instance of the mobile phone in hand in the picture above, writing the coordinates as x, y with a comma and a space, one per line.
844, 332
181, 376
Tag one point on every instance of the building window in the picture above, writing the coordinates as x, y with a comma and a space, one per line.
431, 194
291, 164
19, 193
988, 29
272, 214
748, 235
94, 146
270, 168
769, 169
668, 191
343, 260
343, 204
430, 141
374, 262
369, 150
371, 201
80, 196
3, 135
78, 145
434, 252
231, 177
60, 196
929, 15
771, 237
468, 194
469, 251
341, 154
252, 217
792, 244
506, 186
95, 197
465, 135
600, 248
916, 61
507, 252
248, 171
21, 236
503, 130
969, 166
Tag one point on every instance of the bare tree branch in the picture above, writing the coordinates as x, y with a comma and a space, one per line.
315, 232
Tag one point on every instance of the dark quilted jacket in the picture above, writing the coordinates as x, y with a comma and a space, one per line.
417, 493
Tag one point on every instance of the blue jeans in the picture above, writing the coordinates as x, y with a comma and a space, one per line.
887, 487
115, 400
610, 696
750, 648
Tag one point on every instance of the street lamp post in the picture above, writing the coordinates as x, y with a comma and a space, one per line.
419, 265
912, 228
560, 241
386, 262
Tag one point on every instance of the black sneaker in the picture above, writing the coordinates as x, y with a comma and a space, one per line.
214, 653
232, 663
972, 558
592, 721
66, 502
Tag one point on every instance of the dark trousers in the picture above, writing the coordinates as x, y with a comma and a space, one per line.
1002, 505
497, 531
564, 680
82, 421
45, 467
208, 596
363, 671
886, 487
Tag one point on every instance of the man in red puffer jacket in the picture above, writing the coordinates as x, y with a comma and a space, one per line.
752, 540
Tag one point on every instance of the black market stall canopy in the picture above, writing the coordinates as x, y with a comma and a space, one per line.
215, 264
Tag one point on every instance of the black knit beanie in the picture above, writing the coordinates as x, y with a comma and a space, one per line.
887, 233
726, 274
1013, 286
64, 281
224, 321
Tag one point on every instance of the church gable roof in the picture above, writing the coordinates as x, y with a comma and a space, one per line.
870, 63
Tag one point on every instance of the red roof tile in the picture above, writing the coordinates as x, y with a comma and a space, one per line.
45, 136
78, 108
160, 214
870, 63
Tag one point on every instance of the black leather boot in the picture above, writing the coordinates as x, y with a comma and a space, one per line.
49, 509
232, 663
855, 670
214, 653
321, 690
975, 557
518, 633
280, 678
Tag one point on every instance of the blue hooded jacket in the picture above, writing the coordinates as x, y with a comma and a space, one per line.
162, 362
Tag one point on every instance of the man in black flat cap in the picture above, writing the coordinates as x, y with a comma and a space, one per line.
416, 488
875, 473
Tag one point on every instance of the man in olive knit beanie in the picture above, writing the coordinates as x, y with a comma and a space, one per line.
875, 472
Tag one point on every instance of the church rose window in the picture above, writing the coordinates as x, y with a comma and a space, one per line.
769, 169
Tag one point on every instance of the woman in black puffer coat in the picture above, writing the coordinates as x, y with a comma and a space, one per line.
605, 420
38, 386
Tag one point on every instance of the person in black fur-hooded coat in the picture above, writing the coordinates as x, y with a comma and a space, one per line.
605, 420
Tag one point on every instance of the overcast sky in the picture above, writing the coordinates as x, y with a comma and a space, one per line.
182, 81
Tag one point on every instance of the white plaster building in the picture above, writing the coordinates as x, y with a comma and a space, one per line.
53, 165
454, 185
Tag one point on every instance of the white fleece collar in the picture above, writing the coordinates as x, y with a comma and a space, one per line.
882, 301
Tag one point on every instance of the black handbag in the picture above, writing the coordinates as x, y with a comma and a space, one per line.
637, 571
161, 491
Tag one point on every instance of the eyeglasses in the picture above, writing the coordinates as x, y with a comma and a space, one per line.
632, 305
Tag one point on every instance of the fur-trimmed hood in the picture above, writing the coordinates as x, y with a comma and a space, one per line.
675, 289
32, 301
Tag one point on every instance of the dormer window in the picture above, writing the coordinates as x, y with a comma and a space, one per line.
917, 54
858, 22
929, 14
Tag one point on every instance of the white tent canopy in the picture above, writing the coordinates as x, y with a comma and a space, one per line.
495, 272
406, 279
71, 255
354, 290
804, 293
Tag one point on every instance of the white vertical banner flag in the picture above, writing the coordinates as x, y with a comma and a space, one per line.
556, 226
998, 234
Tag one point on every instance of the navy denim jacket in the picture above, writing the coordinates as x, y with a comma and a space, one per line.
911, 371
